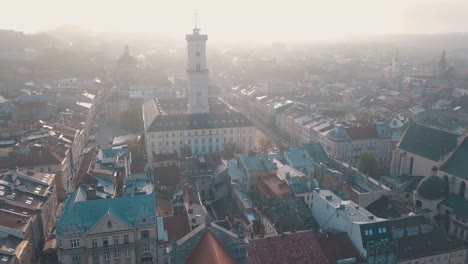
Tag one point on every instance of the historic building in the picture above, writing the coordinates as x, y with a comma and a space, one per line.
199, 124
346, 144
118, 230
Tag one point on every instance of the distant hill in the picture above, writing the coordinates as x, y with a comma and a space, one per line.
16, 41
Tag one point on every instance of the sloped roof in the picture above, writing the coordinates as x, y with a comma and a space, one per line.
362, 132
232, 243
197, 121
457, 164
458, 204
422, 244
177, 225
428, 142
386, 207
298, 248
210, 251
272, 186
79, 217
36, 157
338, 247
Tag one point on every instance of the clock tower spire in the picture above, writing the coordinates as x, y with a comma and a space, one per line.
197, 73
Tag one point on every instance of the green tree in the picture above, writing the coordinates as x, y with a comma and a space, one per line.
368, 164
130, 121
137, 148
230, 148
264, 143
185, 151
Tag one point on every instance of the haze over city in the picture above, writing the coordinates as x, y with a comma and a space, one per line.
234, 132
244, 20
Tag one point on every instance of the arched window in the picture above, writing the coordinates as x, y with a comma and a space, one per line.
418, 203
411, 163
462, 189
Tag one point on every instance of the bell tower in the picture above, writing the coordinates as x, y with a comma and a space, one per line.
197, 73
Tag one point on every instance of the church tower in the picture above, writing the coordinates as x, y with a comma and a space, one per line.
442, 65
197, 73
395, 65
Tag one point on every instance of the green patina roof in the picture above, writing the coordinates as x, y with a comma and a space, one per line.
79, 217
433, 188
428, 142
317, 153
458, 204
457, 164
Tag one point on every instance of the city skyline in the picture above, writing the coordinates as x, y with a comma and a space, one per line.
296, 21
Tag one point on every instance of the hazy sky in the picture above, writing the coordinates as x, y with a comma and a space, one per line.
242, 20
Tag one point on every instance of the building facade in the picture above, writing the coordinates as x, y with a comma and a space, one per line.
119, 230
346, 144
199, 125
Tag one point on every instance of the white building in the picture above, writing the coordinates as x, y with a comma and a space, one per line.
200, 123
364, 229
346, 144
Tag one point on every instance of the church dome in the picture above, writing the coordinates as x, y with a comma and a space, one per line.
433, 188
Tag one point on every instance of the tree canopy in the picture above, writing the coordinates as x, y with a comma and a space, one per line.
137, 148
130, 121
230, 148
185, 151
368, 164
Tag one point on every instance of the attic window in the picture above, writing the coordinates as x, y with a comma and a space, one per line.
109, 224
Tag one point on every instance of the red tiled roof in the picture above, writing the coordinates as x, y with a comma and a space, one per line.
210, 251
164, 207
177, 226
272, 186
298, 248
362, 132
337, 247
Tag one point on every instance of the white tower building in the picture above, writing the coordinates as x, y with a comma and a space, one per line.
197, 73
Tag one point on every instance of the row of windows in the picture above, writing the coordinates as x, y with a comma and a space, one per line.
75, 243
105, 256
203, 133
195, 141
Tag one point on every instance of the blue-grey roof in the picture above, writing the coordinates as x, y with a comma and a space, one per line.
253, 162
108, 186
299, 186
79, 217
236, 172
316, 152
428, 142
298, 158
457, 164
198, 121
245, 199
109, 152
